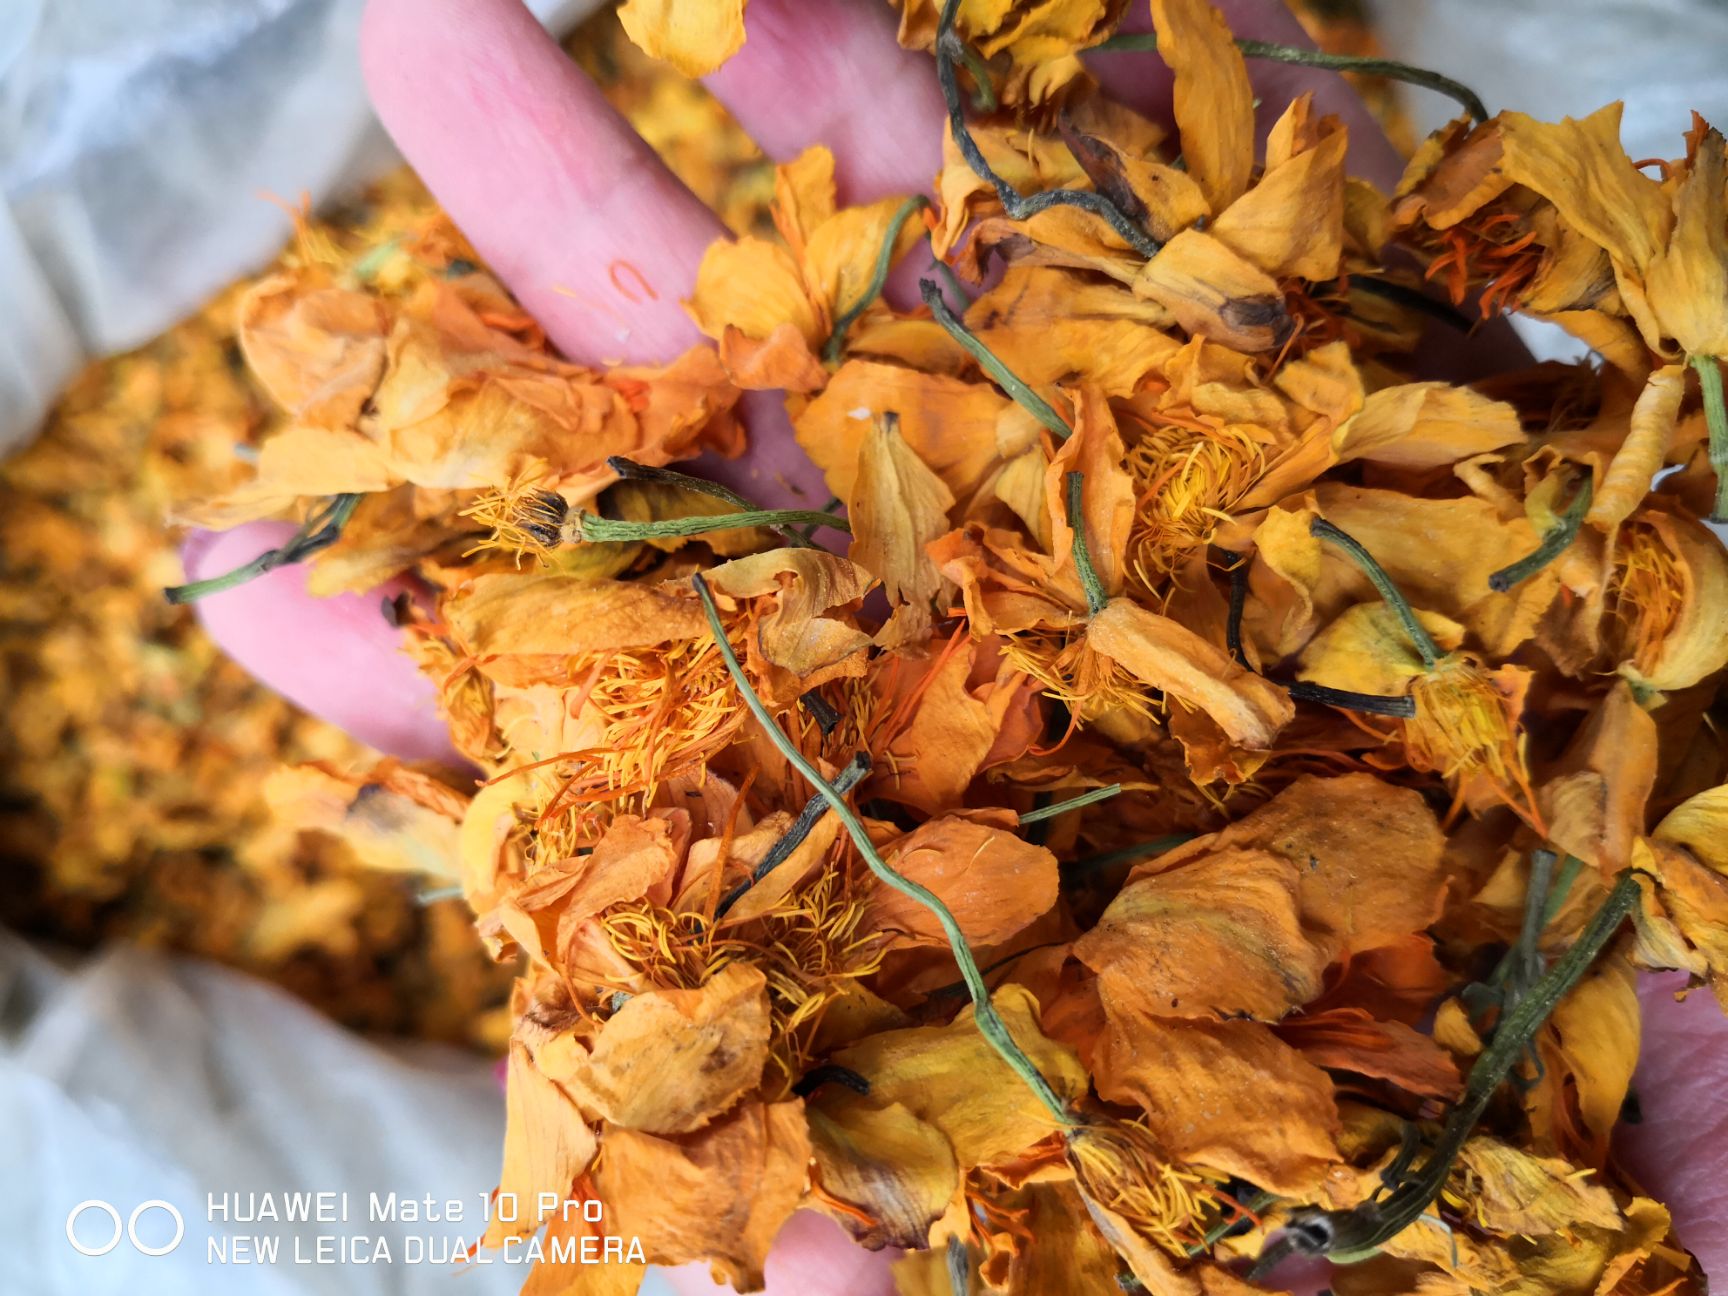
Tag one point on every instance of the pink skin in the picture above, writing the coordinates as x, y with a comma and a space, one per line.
554, 189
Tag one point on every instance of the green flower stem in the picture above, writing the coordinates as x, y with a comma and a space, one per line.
1238, 605
1390, 68
951, 282
1029, 400
878, 276
850, 777
1353, 1235
1554, 541
950, 50
1403, 705
1072, 803
984, 97
319, 532
1096, 598
598, 529
630, 470
990, 1023
1570, 867
1253, 1206
1123, 855
1377, 576
1709, 371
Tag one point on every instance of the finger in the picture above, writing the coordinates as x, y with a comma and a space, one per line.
812, 1256
597, 239
335, 657
830, 72
1143, 81
1678, 1151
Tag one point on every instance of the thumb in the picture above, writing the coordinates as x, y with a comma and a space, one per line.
335, 657
1677, 1152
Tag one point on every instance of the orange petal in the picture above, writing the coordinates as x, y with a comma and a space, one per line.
1169, 656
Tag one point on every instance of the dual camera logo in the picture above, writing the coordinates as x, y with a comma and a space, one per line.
129, 1230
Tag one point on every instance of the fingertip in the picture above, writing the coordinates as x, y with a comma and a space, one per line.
1677, 1148
812, 1256
335, 657
817, 71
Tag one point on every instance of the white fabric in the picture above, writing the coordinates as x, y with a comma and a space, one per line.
135, 1077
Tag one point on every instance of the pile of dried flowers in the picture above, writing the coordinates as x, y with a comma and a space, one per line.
1394, 697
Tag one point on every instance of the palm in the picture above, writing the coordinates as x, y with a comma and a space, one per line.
600, 242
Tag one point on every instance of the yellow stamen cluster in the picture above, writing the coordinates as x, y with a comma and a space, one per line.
665, 711
1118, 1167
1645, 597
807, 945
1461, 730
522, 520
1088, 684
1188, 476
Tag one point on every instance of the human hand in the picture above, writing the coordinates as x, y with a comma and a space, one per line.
556, 191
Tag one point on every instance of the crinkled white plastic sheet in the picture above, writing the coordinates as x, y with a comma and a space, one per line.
137, 1077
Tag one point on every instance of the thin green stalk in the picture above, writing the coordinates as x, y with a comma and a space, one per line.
951, 282
1096, 598
318, 532
1253, 1206
1554, 541
878, 276
1403, 705
1238, 605
850, 777
1570, 867
984, 97
630, 470
1377, 576
1029, 400
1352, 1235
950, 50
990, 1023
599, 529
1390, 68
1709, 371
1072, 803
1124, 854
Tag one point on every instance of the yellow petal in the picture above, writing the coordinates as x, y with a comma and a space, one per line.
1218, 937
319, 351
670, 1061
1580, 167
1214, 103
951, 1078
897, 506
547, 1144
993, 880
1169, 656
694, 36
1094, 450
1426, 425
718, 1195
1688, 282
1367, 856
1229, 1095
754, 286
1292, 221
1627, 480
896, 1169
1214, 293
